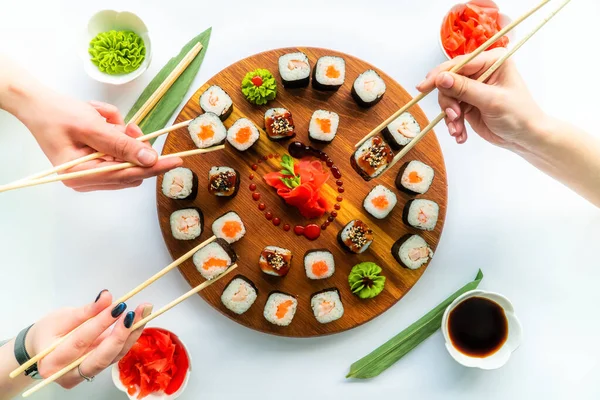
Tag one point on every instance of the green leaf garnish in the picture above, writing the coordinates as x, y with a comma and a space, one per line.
289, 178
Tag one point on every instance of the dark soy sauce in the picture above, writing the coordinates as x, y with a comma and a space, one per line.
477, 327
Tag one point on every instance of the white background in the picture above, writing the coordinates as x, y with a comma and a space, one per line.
534, 239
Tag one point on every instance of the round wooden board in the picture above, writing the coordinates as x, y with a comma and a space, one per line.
355, 122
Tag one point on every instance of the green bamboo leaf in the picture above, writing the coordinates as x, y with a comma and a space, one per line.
397, 347
158, 117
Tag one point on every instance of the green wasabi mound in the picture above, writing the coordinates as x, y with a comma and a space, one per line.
117, 52
259, 86
365, 281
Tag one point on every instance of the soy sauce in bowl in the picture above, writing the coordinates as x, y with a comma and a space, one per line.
478, 327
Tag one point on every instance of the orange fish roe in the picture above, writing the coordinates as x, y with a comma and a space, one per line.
380, 202
320, 268
206, 132
283, 308
324, 124
243, 135
413, 177
214, 262
332, 72
231, 228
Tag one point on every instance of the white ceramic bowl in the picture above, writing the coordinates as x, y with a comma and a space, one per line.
104, 21
504, 20
501, 356
154, 396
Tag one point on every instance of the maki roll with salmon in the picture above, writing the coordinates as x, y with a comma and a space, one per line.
323, 126
294, 69
187, 224
280, 308
242, 134
214, 259
327, 305
412, 251
275, 261
207, 130
401, 130
421, 214
380, 202
239, 295
356, 236
180, 184
217, 101
229, 227
368, 89
372, 158
415, 177
319, 264
329, 73
279, 124
223, 181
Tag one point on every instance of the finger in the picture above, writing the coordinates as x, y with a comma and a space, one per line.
450, 105
109, 140
466, 90
82, 314
140, 313
107, 187
109, 112
462, 138
134, 131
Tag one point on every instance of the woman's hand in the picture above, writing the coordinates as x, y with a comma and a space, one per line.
501, 111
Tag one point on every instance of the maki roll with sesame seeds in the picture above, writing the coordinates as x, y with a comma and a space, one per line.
368, 89
223, 181
275, 261
356, 236
279, 124
294, 69
372, 158
329, 73
217, 101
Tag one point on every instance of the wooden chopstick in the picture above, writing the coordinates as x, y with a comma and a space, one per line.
94, 171
124, 298
482, 78
166, 85
456, 68
137, 325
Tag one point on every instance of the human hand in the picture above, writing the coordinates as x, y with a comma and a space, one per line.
106, 345
501, 111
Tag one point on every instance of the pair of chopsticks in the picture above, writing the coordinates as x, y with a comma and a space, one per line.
456, 68
137, 325
40, 178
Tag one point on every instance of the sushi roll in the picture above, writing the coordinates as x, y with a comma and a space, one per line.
327, 305
412, 251
415, 177
372, 158
323, 126
207, 130
215, 100
356, 236
279, 124
180, 184
280, 308
223, 181
421, 214
187, 224
329, 73
214, 259
239, 295
380, 202
368, 89
229, 227
319, 264
294, 69
275, 261
401, 130
242, 134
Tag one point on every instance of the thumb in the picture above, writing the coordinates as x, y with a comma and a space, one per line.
110, 141
465, 89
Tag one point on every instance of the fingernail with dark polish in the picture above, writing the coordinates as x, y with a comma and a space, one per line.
100, 295
128, 320
118, 310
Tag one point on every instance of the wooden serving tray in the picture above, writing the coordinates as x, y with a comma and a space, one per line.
355, 122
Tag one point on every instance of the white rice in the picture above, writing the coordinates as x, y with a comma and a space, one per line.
404, 128
215, 100
369, 86
315, 130
220, 223
178, 183
186, 224
346, 233
210, 122
315, 256
364, 148
414, 252
322, 66
422, 171
273, 302
423, 214
327, 306
294, 66
238, 125
238, 296
215, 251
375, 193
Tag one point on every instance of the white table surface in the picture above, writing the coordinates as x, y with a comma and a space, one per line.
533, 238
